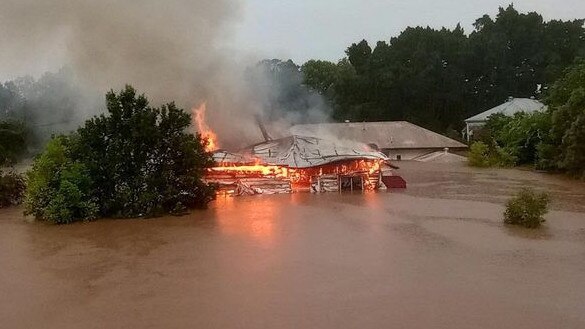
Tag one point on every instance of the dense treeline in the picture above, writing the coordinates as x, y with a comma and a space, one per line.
437, 78
51, 104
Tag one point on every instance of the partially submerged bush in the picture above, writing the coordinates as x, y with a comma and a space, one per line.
142, 160
134, 161
478, 155
484, 155
59, 189
11, 189
526, 209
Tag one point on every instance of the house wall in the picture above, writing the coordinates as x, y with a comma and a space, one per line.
471, 128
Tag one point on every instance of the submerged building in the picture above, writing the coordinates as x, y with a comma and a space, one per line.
397, 140
300, 163
509, 108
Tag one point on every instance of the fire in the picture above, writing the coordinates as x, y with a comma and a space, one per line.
299, 178
253, 170
206, 133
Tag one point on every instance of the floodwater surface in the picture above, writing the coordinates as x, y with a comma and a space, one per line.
433, 256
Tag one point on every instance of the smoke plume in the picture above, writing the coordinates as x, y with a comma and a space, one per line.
172, 50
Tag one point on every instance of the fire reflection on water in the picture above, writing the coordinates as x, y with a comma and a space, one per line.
258, 224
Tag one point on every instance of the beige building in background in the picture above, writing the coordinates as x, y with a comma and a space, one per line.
399, 140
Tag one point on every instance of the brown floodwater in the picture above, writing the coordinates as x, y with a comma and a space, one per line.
433, 256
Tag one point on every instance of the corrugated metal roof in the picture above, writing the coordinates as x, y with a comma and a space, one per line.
385, 134
223, 156
301, 152
512, 106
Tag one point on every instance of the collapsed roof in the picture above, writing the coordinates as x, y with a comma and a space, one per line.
298, 151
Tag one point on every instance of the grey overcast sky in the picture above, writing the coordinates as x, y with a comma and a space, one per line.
323, 29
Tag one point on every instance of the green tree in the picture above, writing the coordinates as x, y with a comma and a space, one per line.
438, 77
52, 104
479, 155
518, 136
564, 148
59, 189
320, 75
141, 160
359, 55
134, 161
519, 54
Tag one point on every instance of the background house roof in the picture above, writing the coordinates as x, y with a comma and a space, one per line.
385, 134
512, 106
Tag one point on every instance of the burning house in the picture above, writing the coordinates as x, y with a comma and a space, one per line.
295, 163
298, 163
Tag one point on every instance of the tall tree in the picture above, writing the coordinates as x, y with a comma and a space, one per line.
437, 78
359, 55
565, 148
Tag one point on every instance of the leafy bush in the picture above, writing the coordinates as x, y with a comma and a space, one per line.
483, 155
565, 147
478, 155
516, 140
11, 189
59, 189
135, 161
142, 161
526, 209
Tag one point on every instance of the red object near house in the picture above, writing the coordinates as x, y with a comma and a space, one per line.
394, 181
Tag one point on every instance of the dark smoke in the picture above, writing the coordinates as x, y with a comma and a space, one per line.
172, 50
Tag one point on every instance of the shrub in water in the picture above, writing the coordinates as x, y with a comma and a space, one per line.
11, 189
527, 209
59, 189
479, 155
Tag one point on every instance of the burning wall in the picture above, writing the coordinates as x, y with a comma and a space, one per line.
296, 163
290, 164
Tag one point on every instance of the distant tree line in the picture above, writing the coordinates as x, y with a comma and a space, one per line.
432, 77
437, 78
51, 104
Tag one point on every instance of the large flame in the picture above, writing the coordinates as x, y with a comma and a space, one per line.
206, 133
251, 170
299, 177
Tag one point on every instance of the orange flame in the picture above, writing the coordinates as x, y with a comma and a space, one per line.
299, 177
253, 170
206, 133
